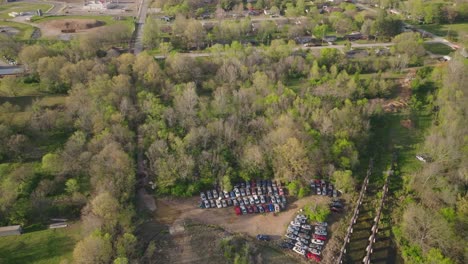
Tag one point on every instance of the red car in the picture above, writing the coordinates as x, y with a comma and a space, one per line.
313, 257
250, 209
336, 210
238, 210
319, 237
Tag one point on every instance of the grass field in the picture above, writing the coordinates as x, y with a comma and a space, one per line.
40, 247
453, 30
21, 7
438, 48
25, 29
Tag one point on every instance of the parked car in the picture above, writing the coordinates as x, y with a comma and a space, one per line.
318, 247
319, 237
259, 191
235, 202
247, 191
335, 193
299, 250
206, 203
215, 194
232, 194
209, 195
262, 199
237, 210
251, 200
291, 236
202, 196
255, 197
337, 204
324, 191
306, 227
287, 245
336, 210
229, 202
242, 191
317, 241
260, 209
263, 237
280, 191
240, 201
271, 207
247, 184
320, 232
250, 209
294, 223
277, 208
218, 203
283, 199
212, 204
238, 194
311, 256
266, 208
255, 208
226, 194
223, 203
243, 209
319, 191
320, 224
246, 201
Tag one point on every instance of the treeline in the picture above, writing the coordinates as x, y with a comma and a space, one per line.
434, 217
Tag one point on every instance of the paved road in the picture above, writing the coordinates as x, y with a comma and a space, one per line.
141, 17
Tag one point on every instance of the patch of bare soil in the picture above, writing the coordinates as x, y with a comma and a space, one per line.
55, 27
169, 210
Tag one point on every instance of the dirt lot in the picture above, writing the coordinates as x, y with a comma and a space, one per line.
170, 210
185, 233
54, 28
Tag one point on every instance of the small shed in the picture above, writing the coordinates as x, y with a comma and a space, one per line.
10, 230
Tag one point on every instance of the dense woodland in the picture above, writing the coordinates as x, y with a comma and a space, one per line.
268, 112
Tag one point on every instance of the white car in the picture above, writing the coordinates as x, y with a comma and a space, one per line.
257, 201
299, 250
306, 227
317, 241
291, 236
237, 192
218, 204
247, 191
321, 224
215, 194
294, 223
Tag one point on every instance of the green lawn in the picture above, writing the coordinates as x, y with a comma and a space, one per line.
46, 246
454, 30
25, 29
438, 48
21, 7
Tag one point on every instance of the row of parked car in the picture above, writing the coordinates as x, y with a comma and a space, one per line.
247, 197
322, 187
306, 239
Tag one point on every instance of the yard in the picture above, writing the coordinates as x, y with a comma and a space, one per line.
46, 246
21, 7
25, 30
454, 31
438, 48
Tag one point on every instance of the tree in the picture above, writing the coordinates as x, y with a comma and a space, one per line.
151, 33
343, 180
411, 44
72, 186
290, 165
320, 31
105, 206
386, 26
195, 34
95, 248
30, 56
51, 163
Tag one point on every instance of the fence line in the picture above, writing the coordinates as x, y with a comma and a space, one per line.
356, 213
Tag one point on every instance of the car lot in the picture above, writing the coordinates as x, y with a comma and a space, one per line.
324, 188
262, 196
306, 239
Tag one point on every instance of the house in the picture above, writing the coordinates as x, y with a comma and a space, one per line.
303, 40
353, 36
10, 230
10, 70
329, 39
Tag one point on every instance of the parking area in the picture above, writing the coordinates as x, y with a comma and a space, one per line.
171, 210
262, 196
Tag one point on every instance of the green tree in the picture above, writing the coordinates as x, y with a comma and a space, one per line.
151, 33
94, 248
343, 180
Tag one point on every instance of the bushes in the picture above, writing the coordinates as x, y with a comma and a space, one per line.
317, 213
